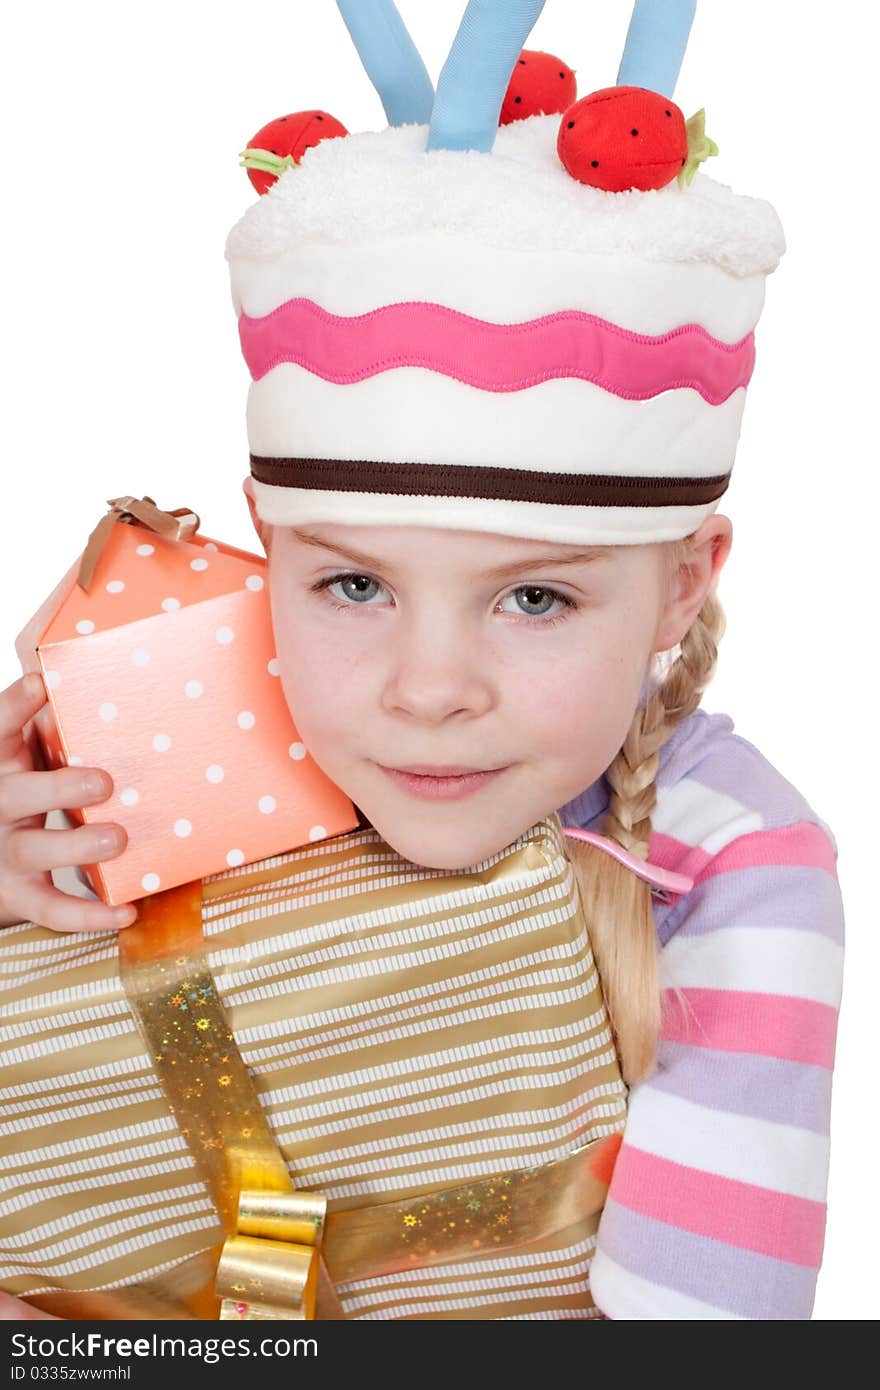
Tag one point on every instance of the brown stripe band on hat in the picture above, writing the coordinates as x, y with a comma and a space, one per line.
497, 484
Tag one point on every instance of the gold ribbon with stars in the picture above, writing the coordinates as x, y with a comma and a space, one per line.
284, 1252
271, 1265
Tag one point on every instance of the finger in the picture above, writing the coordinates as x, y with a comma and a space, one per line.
34, 755
47, 906
15, 1309
24, 794
27, 848
18, 702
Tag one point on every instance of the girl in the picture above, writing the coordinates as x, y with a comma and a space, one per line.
493, 561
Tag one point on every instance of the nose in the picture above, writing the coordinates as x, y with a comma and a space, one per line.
434, 675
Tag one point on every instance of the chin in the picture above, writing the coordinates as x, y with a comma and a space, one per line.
432, 847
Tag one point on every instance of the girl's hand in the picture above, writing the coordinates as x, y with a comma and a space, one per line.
28, 851
15, 1309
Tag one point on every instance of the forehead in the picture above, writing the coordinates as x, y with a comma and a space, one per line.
481, 552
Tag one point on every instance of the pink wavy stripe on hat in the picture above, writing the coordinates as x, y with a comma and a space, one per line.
495, 356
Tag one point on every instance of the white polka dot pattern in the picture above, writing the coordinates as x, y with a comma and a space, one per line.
165, 674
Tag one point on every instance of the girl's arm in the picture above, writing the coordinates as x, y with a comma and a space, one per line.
716, 1207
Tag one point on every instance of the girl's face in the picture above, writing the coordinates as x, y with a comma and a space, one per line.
406, 646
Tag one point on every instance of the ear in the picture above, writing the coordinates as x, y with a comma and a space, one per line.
688, 588
263, 531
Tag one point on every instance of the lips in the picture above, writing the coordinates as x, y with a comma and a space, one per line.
448, 786
441, 769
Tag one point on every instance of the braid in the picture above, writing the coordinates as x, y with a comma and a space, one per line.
632, 773
617, 905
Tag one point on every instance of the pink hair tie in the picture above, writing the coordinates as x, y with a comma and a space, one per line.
663, 881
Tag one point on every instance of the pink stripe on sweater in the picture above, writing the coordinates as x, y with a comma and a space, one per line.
495, 356
737, 1213
802, 844
771, 1025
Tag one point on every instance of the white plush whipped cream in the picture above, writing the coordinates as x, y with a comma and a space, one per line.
377, 186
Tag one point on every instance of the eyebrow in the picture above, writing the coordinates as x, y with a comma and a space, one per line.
593, 552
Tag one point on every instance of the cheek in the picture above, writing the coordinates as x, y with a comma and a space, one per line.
319, 676
585, 697
596, 656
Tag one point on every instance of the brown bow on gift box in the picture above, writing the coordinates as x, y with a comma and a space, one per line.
177, 525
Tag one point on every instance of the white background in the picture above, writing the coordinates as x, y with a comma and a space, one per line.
121, 370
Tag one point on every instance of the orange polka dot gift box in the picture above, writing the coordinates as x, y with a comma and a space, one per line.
158, 656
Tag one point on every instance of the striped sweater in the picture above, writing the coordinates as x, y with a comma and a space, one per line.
717, 1204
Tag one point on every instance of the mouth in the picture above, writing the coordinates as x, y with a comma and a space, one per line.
441, 784
441, 769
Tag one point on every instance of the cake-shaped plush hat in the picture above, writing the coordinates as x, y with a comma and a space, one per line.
513, 310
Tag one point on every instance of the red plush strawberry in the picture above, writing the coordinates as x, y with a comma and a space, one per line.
629, 137
283, 142
541, 85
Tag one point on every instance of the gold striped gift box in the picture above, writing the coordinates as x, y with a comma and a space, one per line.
409, 1031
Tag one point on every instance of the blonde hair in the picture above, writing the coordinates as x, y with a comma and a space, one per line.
618, 905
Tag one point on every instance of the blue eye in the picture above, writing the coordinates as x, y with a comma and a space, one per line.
358, 594
552, 594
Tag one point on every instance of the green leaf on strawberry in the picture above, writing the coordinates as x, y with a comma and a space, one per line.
266, 160
283, 142
699, 147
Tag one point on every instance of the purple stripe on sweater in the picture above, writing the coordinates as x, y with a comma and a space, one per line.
764, 1088
496, 356
705, 748
729, 764
699, 734
768, 895
752, 1286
